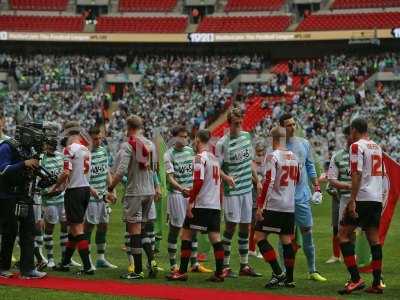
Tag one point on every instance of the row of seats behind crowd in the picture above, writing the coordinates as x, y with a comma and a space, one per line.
146, 5
254, 5
169, 5
57, 5
320, 22
354, 4
208, 24
42, 23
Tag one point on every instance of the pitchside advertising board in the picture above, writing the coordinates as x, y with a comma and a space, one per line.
197, 37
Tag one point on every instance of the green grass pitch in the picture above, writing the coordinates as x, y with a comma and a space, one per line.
336, 274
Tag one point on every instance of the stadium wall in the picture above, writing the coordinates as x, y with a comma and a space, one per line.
272, 50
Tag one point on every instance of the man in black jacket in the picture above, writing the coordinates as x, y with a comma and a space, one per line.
12, 191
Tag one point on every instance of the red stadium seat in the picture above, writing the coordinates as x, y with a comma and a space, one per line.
244, 24
42, 23
39, 4
254, 5
350, 21
142, 24
351, 4
147, 5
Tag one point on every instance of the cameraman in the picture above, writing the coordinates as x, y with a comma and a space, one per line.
12, 184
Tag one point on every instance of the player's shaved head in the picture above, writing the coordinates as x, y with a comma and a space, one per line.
278, 133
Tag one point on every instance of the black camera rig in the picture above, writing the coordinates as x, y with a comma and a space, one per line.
29, 142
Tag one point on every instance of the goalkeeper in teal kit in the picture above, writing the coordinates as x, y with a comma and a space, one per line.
303, 214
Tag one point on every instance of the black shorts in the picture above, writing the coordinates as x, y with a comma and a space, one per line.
204, 220
276, 222
76, 201
369, 215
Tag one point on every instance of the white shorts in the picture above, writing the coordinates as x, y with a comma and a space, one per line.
344, 200
238, 209
177, 206
152, 213
96, 213
37, 211
54, 214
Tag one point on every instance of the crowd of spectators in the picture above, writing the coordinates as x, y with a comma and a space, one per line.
57, 72
184, 90
335, 92
173, 90
86, 107
193, 91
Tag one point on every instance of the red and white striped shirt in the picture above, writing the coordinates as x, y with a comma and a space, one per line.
282, 175
77, 162
366, 158
207, 170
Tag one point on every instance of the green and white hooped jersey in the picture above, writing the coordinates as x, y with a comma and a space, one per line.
55, 165
99, 172
180, 163
235, 156
4, 138
340, 169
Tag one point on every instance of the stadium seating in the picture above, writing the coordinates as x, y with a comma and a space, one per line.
39, 4
42, 23
350, 21
142, 24
352, 4
244, 24
146, 5
253, 5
